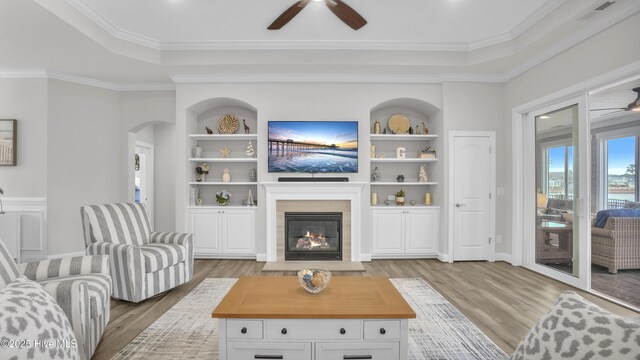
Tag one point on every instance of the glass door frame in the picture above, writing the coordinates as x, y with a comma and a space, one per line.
583, 279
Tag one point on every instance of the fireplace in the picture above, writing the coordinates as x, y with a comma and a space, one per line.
313, 236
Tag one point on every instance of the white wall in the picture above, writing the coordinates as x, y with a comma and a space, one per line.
476, 107
165, 177
293, 101
82, 155
149, 116
609, 50
26, 101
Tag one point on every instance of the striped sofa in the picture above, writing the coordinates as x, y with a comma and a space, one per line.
81, 286
143, 263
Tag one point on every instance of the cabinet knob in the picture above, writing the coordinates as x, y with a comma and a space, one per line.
382, 331
284, 331
243, 330
343, 331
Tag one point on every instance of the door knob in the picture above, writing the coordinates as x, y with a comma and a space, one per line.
459, 205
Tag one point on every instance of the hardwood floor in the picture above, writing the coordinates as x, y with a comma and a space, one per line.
502, 300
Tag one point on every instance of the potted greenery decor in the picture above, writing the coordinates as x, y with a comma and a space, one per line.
400, 198
222, 197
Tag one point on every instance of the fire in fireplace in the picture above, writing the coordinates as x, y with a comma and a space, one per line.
313, 236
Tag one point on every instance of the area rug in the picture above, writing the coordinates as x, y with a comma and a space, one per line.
187, 330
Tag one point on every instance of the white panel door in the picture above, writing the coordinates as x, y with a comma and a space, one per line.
238, 231
206, 231
421, 228
387, 231
471, 194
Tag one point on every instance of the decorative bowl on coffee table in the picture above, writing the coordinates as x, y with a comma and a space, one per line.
314, 280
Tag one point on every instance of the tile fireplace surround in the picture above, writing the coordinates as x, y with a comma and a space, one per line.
314, 197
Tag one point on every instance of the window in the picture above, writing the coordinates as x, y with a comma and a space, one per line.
559, 172
621, 177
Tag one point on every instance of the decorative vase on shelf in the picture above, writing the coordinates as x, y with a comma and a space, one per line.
400, 200
223, 202
376, 127
226, 176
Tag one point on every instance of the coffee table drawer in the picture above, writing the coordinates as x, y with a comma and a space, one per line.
363, 350
266, 350
244, 329
382, 329
316, 329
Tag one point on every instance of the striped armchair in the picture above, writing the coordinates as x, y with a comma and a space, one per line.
143, 263
81, 286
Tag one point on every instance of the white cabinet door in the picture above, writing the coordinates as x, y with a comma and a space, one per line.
239, 231
421, 231
205, 226
387, 231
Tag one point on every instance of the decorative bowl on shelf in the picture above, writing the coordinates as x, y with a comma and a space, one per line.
314, 280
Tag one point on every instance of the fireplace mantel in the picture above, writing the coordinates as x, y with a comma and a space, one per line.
351, 191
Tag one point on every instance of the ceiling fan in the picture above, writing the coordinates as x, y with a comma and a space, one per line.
633, 106
343, 11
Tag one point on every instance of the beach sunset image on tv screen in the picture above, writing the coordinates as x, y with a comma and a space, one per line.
313, 146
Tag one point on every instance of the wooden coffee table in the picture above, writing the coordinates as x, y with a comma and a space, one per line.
275, 318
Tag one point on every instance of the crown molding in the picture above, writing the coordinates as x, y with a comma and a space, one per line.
313, 45
23, 74
306, 78
138, 39
112, 29
82, 80
592, 29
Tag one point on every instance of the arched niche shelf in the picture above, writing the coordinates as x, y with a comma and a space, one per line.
416, 110
207, 112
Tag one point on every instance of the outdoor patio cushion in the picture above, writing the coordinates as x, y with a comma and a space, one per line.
604, 215
160, 256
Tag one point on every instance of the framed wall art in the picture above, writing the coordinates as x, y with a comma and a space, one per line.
8, 142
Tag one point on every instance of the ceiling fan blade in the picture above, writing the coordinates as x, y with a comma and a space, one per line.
346, 14
288, 14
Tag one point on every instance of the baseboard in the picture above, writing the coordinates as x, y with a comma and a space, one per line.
445, 257
59, 256
403, 256
226, 256
261, 257
365, 257
503, 257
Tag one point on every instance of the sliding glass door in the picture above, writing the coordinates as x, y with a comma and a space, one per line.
557, 179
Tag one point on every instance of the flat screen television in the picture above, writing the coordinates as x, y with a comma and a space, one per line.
313, 147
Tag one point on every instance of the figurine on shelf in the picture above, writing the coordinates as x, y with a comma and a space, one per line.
209, 131
250, 199
250, 151
226, 176
376, 127
423, 173
225, 152
384, 131
375, 175
427, 153
253, 174
202, 170
410, 130
246, 127
425, 130
400, 178
197, 152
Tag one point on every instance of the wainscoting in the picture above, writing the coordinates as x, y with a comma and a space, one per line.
25, 225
